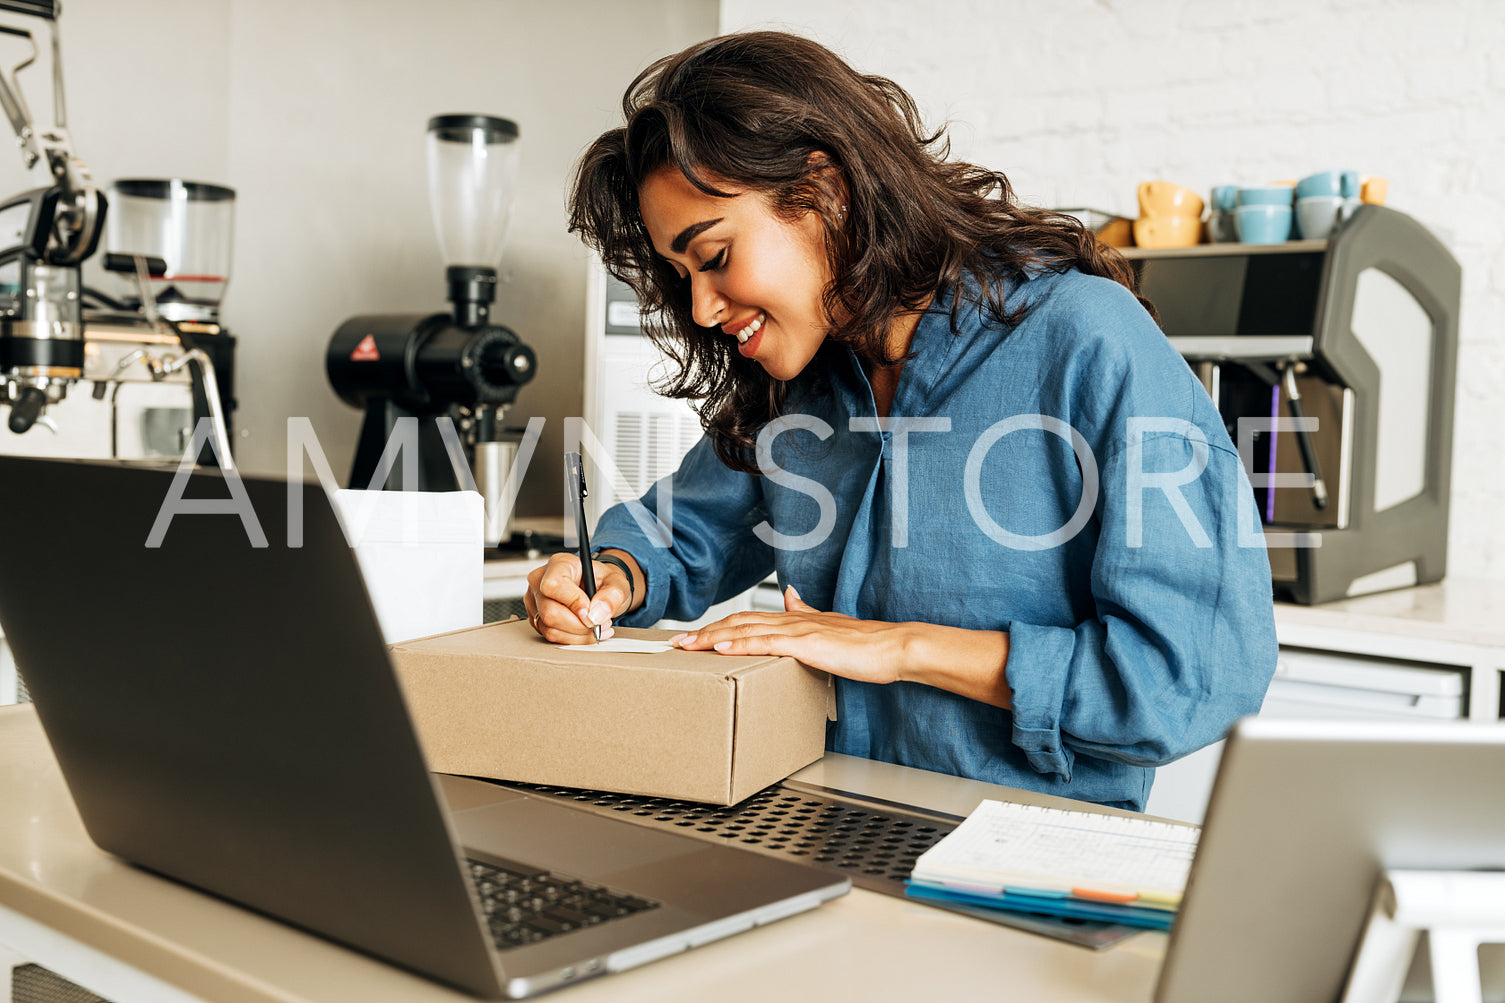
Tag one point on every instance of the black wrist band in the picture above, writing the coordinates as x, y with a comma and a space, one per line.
619, 563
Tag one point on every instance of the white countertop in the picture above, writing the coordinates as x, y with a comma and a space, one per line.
1455, 610
134, 935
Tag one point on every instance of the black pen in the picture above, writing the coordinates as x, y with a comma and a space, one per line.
574, 480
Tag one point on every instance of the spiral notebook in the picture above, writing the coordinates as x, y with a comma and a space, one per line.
1027, 858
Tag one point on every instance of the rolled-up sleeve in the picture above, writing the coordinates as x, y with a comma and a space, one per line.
1182, 642
699, 548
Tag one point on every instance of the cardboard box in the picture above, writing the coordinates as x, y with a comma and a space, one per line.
499, 701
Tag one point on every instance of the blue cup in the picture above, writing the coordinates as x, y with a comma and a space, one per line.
1225, 198
1265, 195
1326, 183
1263, 224
1319, 184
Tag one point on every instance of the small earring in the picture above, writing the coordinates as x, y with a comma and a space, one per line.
841, 213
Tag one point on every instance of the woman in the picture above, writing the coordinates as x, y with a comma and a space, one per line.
1003, 511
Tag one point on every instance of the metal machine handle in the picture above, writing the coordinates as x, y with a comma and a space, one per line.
81, 208
205, 366
27, 409
161, 369
1304, 438
127, 263
39, 8
14, 102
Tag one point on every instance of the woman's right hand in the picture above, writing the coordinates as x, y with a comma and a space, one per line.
560, 610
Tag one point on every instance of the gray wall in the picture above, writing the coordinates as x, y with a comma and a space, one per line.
314, 111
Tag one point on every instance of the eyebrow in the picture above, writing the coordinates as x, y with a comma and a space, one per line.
690, 232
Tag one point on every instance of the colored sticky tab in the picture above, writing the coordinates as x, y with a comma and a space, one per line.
1168, 900
1093, 895
1107, 912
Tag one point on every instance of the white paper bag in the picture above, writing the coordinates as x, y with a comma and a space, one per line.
421, 555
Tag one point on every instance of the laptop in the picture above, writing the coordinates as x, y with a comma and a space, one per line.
225, 714
1304, 817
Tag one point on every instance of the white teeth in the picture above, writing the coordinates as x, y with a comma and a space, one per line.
751, 329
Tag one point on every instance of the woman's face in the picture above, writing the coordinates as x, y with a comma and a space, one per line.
756, 277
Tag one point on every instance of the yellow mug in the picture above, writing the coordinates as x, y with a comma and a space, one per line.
1167, 231
1166, 198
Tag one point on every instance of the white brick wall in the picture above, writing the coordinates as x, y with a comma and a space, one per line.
1077, 101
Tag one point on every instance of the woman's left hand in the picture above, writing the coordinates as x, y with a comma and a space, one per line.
869, 651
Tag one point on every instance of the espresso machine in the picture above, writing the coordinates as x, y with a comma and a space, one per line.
455, 373
46, 233
1333, 365
56, 332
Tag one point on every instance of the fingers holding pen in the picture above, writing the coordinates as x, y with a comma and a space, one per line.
555, 621
561, 585
610, 599
558, 606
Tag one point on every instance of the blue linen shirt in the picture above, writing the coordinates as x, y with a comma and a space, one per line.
1137, 633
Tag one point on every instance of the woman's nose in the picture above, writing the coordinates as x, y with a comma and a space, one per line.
707, 305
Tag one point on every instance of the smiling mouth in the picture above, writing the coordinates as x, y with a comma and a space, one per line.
751, 329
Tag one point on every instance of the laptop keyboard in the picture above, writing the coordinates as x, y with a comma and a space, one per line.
525, 906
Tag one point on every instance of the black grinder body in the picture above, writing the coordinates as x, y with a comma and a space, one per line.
428, 367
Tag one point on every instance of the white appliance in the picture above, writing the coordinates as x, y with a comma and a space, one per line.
642, 436
1320, 684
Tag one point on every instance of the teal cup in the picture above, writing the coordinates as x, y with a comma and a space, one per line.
1224, 198
1265, 195
1263, 224
1329, 183
1321, 183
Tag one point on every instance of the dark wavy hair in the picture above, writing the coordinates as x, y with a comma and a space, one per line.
784, 117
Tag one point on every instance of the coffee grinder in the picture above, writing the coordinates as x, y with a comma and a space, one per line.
456, 373
169, 243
